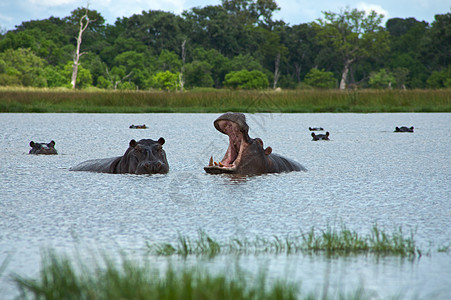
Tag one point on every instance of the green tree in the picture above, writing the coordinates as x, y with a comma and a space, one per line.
84, 77
249, 12
302, 49
406, 38
22, 65
382, 79
164, 81
354, 35
245, 79
440, 79
198, 74
320, 79
436, 48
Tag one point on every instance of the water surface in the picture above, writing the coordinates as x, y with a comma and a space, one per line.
365, 175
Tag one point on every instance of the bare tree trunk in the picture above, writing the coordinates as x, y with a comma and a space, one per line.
344, 75
276, 70
114, 82
297, 69
182, 81
78, 54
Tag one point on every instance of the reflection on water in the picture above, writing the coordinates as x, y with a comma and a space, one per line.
365, 175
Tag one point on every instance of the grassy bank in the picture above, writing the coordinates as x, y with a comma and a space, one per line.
99, 101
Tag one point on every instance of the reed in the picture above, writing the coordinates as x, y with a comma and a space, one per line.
62, 277
98, 101
329, 241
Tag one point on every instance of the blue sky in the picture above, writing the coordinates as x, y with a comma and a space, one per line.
14, 12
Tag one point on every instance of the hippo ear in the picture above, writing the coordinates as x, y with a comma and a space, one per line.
133, 143
259, 141
31, 144
52, 144
161, 141
268, 150
313, 134
327, 133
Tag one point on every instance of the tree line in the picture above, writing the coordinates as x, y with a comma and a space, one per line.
236, 44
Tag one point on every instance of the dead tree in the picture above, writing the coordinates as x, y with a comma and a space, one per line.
182, 81
276, 70
84, 22
114, 82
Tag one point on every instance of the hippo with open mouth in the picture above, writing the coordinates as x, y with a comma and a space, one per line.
143, 157
42, 148
245, 155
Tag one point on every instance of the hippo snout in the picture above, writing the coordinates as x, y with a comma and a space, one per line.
151, 167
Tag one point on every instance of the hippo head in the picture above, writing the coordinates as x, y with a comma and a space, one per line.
244, 155
42, 148
145, 157
320, 137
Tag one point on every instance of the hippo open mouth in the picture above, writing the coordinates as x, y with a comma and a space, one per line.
234, 125
246, 156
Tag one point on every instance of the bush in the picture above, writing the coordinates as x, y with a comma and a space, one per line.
164, 81
439, 79
245, 79
382, 79
320, 79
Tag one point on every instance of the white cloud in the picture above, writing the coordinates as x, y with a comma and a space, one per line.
368, 7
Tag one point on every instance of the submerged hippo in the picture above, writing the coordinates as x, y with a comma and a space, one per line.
143, 126
316, 128
143, 157
43, 148
404, 129
246, 155
320, 137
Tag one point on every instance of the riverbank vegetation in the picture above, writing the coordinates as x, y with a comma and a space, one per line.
214, 100
234, 44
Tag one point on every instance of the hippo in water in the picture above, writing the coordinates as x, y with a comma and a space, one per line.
245, 155
404, 129
320, 137
316, 128
143, 157
43, 148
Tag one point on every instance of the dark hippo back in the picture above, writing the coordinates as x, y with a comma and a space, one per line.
283, 164
42, 148
143, 157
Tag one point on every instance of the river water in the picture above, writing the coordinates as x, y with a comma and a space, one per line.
365, 175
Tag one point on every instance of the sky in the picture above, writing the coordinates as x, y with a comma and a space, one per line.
293, 12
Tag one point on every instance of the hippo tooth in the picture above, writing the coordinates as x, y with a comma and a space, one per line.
216, 163
221, 165
210, 164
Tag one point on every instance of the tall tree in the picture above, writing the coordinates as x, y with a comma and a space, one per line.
354, 35
84, 23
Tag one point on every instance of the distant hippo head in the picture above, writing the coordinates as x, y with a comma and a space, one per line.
244, 154
42, 148
145, 157
319, 137
404, 129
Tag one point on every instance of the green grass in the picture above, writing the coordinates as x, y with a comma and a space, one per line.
330, 242
61, 277
209, 100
